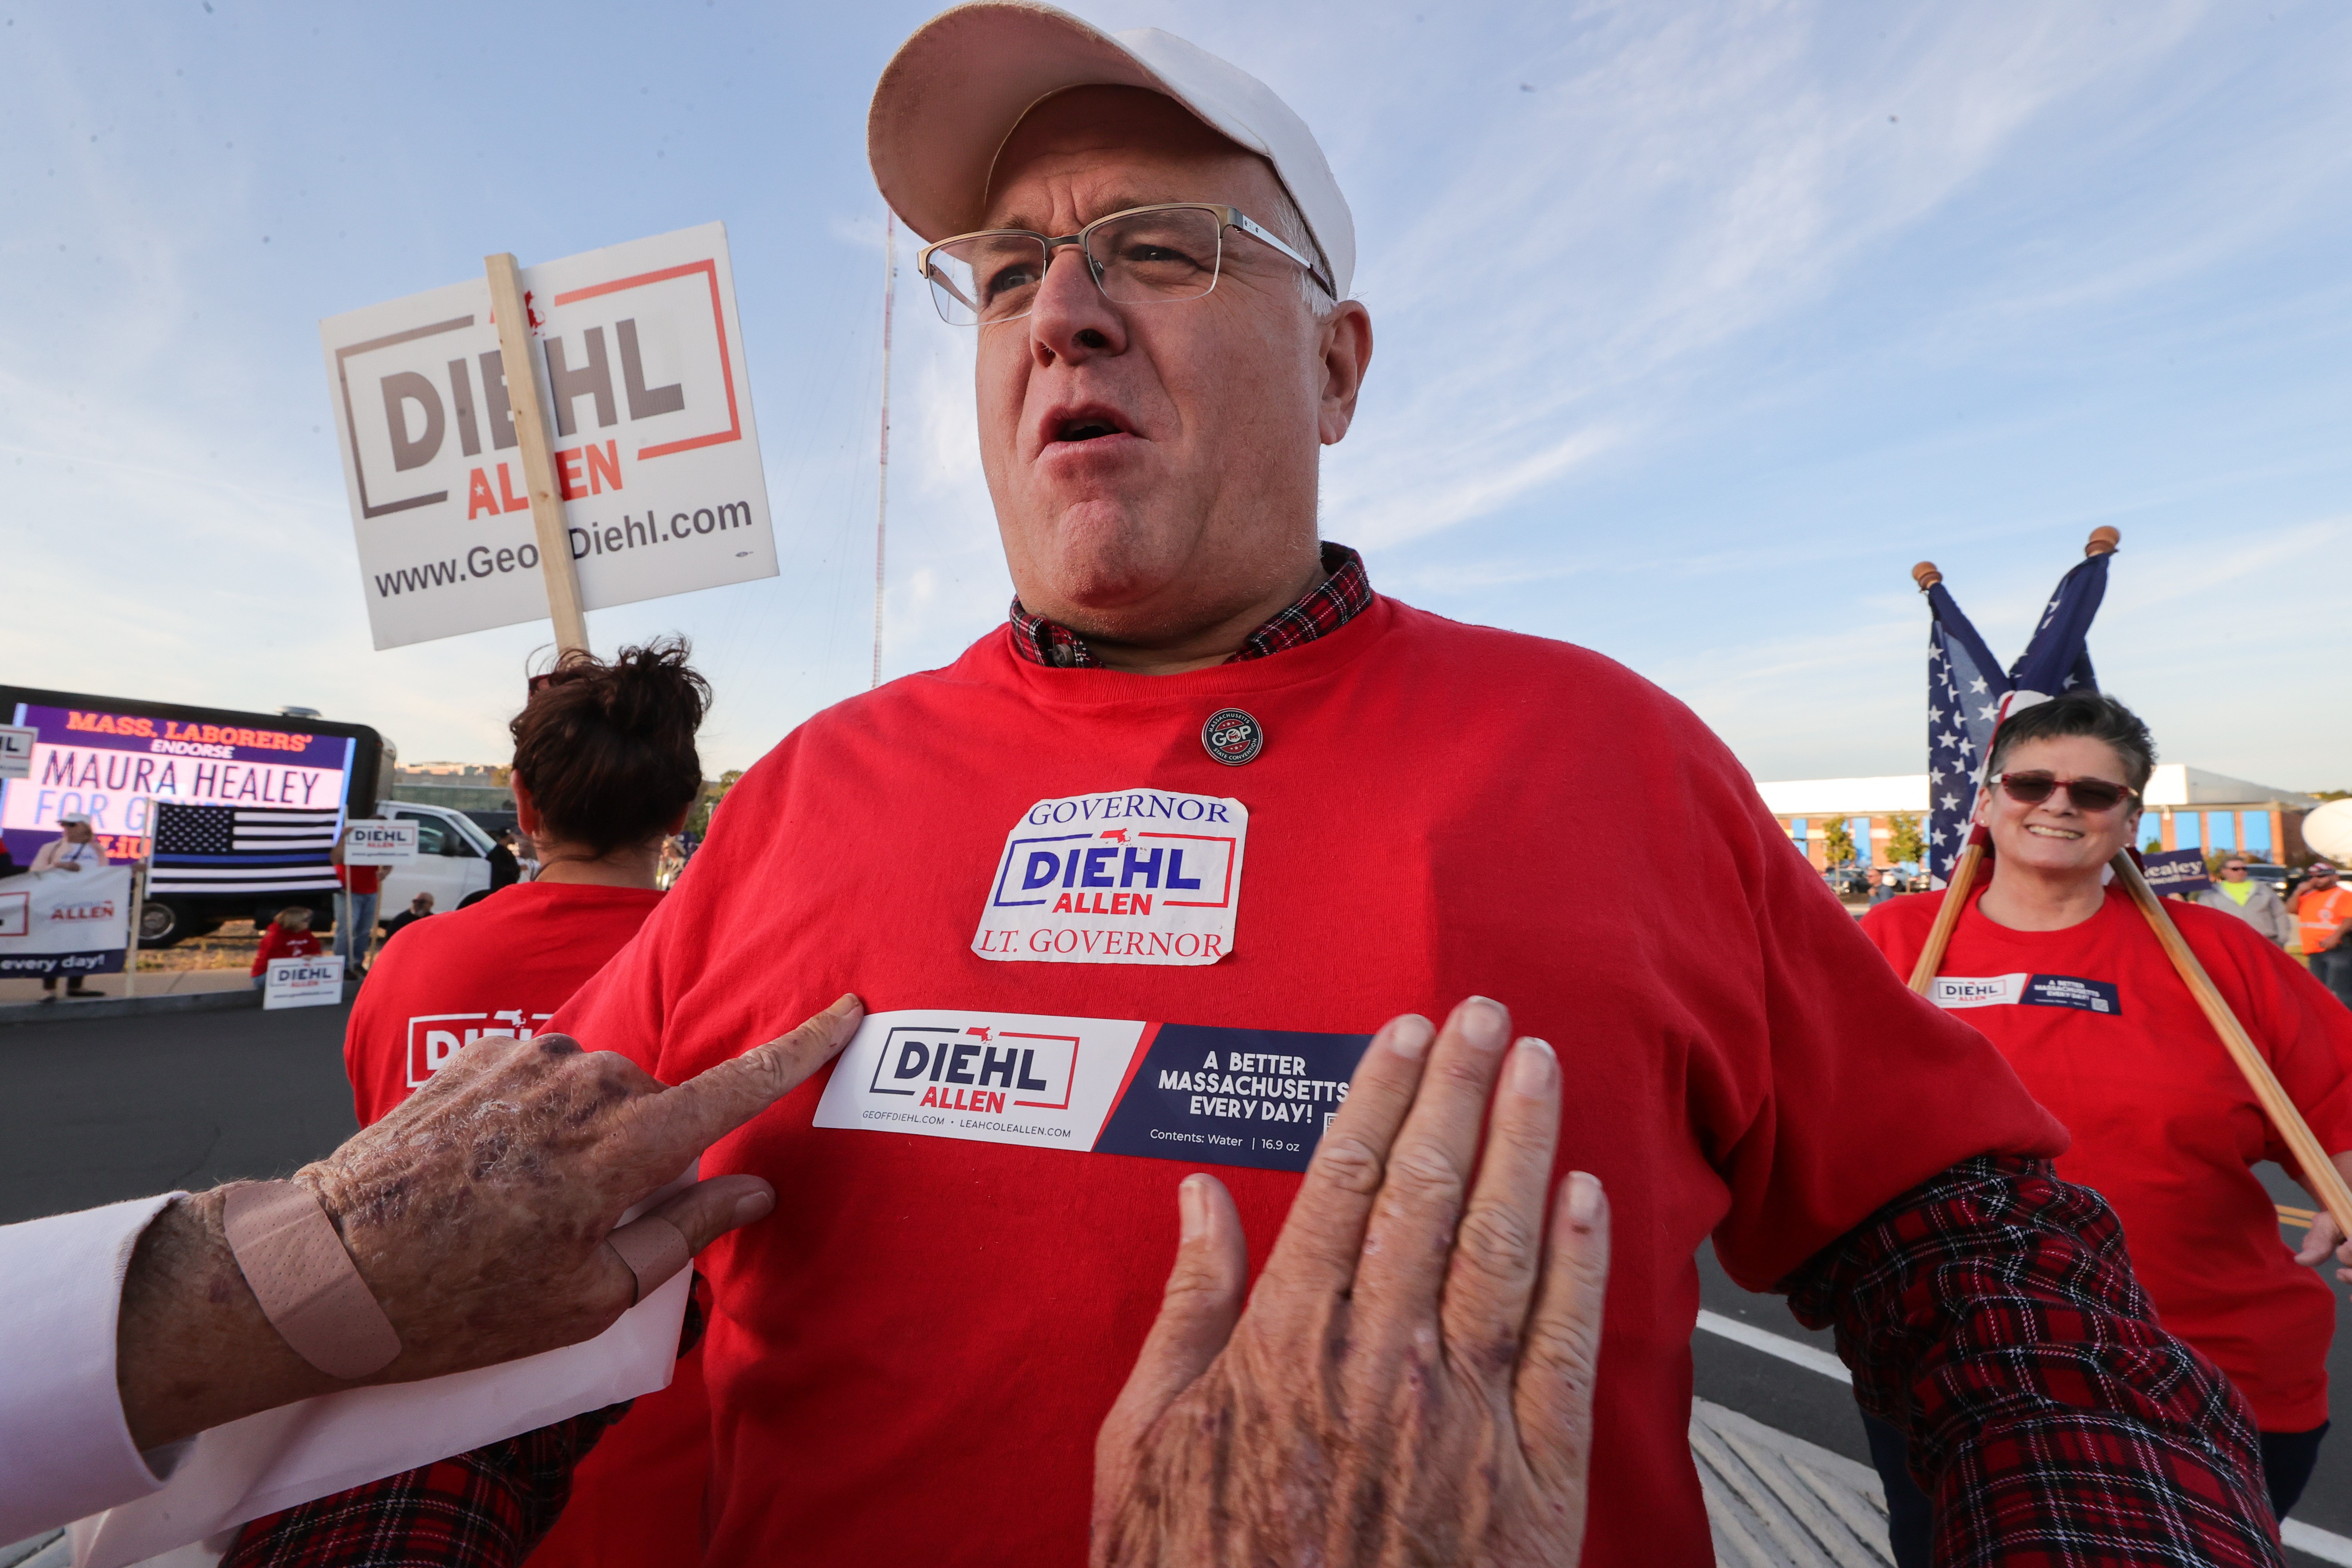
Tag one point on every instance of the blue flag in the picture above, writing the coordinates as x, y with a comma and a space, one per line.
1968, 694
2058, 658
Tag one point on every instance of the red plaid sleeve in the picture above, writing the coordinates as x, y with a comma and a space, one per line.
1992, 1317
483, 1510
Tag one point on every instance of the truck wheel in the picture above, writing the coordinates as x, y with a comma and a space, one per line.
479, 894
162, 924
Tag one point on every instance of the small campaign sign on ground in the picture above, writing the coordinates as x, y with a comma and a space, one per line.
2176, 871
302, 982
371, 842
650, 410
17, 743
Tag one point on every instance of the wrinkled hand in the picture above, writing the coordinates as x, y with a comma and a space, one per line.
1412, 1380
477, 1210
478, 1214
2322, 1238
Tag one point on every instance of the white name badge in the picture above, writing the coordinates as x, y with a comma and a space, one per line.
1140, 876
1104, 1086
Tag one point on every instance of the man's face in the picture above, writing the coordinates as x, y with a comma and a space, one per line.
78, 832
2233, 871
1153, 467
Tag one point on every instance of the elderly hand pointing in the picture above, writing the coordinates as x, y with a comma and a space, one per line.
1412, 1379
478, 1214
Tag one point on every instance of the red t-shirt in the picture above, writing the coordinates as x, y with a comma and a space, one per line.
2106, 1035
910, 1361
277, 941
361, 879
501, 967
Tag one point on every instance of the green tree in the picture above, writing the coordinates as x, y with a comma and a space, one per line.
698, 821
1904, 841
1837, 844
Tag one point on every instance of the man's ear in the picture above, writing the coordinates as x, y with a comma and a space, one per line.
1343, 342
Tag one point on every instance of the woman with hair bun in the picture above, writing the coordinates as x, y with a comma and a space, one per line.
605, 771
2061, 970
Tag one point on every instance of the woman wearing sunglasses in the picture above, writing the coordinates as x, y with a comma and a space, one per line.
2059, 969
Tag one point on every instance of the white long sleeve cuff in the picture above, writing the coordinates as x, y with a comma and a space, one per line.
61, 1423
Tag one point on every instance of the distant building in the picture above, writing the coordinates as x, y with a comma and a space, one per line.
470, 787
2188, 808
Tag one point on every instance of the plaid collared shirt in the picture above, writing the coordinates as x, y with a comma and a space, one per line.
1320, 611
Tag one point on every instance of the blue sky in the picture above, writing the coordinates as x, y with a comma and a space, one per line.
1697, 326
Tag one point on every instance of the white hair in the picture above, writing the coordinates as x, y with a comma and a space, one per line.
1287, 221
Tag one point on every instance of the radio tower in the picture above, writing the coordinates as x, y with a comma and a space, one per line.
882, 486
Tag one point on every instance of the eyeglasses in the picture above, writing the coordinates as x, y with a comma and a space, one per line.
2090, 795
1144, 256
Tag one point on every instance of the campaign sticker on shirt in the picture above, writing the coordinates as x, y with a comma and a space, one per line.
2022, 990
2068, 991
1136, 876
1977, 990
1106, 1085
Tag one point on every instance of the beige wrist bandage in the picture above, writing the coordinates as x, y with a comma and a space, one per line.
654, 1250
309, 1288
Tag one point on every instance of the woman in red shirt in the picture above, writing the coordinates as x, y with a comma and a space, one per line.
604, 771
2061, 970
288, 936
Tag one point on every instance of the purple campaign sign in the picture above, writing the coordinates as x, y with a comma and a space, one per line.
2176, 871
111, 767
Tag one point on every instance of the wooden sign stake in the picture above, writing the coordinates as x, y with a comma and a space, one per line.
2319, 1172
521, 367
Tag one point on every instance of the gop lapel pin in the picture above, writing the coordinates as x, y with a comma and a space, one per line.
1233, 737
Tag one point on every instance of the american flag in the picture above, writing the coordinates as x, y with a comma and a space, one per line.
1968, 694
242, 850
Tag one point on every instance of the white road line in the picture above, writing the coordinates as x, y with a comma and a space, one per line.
2326, 1545
1770, 1343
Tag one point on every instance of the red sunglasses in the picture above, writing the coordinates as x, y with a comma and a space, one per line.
2090, 795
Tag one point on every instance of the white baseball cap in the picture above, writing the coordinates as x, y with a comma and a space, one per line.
69, 819
954, 91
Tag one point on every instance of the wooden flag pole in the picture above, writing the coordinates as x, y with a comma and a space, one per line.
523, 398
2319, 1171
1964, 874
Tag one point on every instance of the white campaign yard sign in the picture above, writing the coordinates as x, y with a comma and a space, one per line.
17, 743
65, 923
371, 842
302, 982
649, 407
